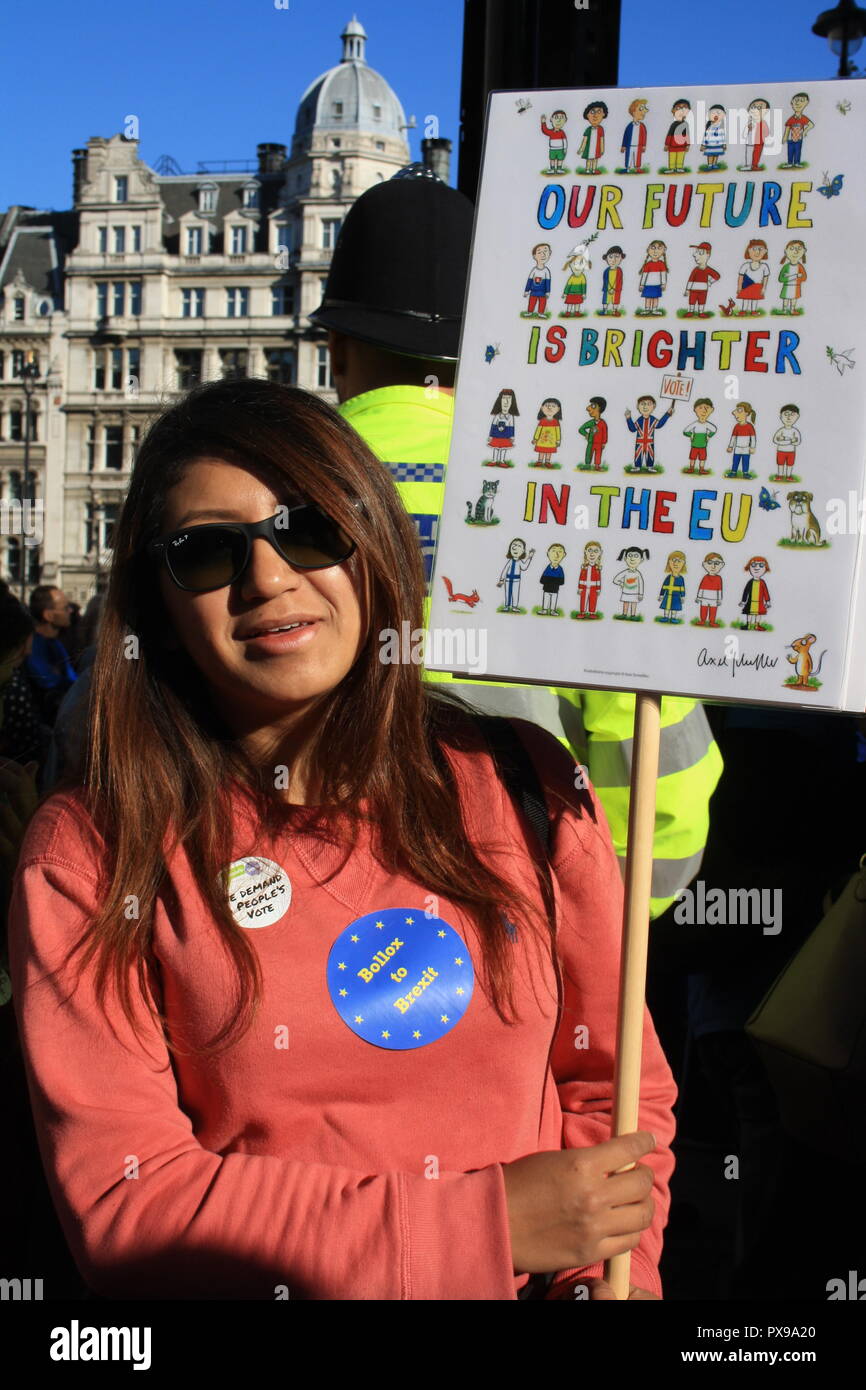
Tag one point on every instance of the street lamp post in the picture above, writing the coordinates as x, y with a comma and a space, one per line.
844, 28
29, 376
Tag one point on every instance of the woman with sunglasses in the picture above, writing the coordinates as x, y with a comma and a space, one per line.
298, 1014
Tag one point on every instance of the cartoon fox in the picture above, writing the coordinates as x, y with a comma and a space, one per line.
728, 309
470, 599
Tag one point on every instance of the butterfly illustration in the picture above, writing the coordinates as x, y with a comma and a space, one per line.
523, 104
768, 500
843, 106
831, 188
492, 350
841, 360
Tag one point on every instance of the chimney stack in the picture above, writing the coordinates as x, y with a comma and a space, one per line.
437, 157
79, 174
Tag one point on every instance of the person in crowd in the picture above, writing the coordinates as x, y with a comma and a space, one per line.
393, 334
48, 665
305, 961
68, 746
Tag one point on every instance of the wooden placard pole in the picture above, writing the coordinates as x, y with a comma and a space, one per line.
635, 941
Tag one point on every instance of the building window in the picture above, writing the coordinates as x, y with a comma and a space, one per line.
285, 235
377, 111
193, 304
330, 232
251, 195
324, 378
239, 241
17, 361
15, 486
193, 241
2, 365
116, 360
280, 365
282, 300
207, 198
118, 297
119, 240
16, 424
380, 144
99, 522
136, 238
336, 142
188, 362
90, 447
18, 307
133, 370
114, 447
234, 362
337, 108
135, 297
102, 239
99, 371
121, 188
237, 303
101, 299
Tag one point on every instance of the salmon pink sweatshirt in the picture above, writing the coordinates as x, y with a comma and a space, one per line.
307, 1160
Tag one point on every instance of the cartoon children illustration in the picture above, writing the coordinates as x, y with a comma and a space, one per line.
589, 582
756, 133
634, 137
786, 439
673, 589
594, 431
555, 133
592, 144
537, 288
699, 280
577, 263
653, 277
792, 275
645, 432
715, 140
678, 139
548, 432
517, 561
501, 437
743, 440
552, 578
756, 595
752, 276
699, 432
611, 281
797, 127
710, 590
630, 581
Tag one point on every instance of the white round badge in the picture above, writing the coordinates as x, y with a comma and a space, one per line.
259, 891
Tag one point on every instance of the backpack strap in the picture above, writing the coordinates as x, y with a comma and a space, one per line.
517, 771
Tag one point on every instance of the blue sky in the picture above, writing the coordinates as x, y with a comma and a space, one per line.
209, 79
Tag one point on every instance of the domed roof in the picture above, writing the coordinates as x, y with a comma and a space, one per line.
351, 96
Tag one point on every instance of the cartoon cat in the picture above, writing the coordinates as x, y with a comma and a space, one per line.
483, 510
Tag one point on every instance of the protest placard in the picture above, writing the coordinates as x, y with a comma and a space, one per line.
656, 473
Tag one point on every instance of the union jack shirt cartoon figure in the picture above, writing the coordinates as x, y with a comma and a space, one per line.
644, 431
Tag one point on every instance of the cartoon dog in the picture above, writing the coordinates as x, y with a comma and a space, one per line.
803, 663
804, 523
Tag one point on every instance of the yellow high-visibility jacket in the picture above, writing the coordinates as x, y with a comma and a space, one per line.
409, 428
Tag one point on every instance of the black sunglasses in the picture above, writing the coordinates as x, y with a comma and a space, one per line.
212, 556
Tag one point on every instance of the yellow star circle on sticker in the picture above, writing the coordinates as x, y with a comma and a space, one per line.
416, 1034
441, 933
458, 960
342, 965
444, 1018
410, 921
385, 1033
379, 926
460, 990
358, 1018
353, 938
344, 992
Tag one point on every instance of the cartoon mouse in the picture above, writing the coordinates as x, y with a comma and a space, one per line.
802, 662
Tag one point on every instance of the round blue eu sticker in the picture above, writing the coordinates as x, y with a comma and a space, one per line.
399, 978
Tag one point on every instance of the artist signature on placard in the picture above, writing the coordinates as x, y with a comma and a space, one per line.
760, 661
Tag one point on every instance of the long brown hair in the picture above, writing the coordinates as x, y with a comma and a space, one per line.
160, 764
